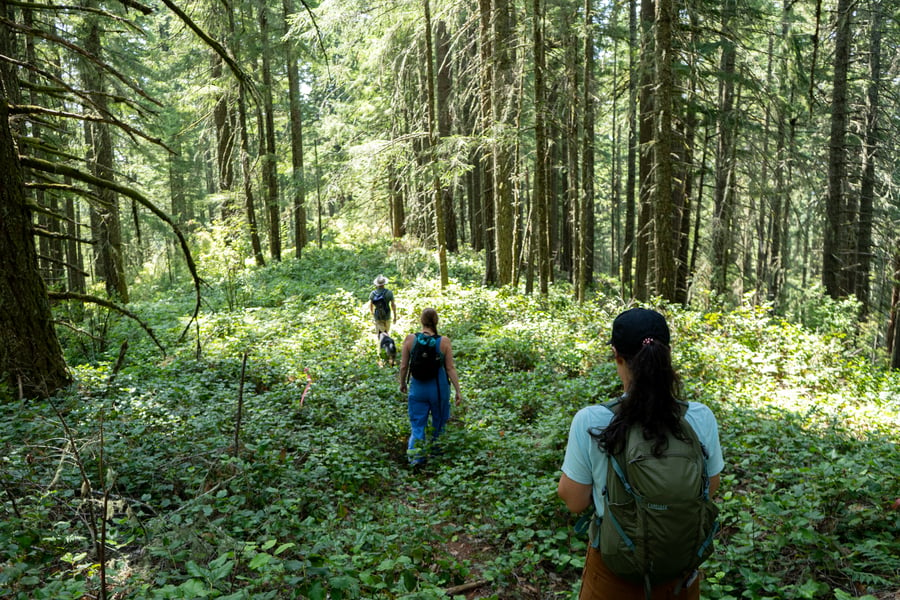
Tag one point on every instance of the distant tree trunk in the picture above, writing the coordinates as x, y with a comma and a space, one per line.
442, 99
668, 223
246, 172
571, 223
628, 241
270, 158
108, 232
486, 69
723, 210
540, 236
502, 103
298, 189
31, 359
893, 336
223, 119
644, 233
833, 254
433, 137
586, 232
867, 185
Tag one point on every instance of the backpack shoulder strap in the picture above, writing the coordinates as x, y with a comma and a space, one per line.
613, 405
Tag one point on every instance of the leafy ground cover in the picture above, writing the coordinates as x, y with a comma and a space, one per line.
201, 476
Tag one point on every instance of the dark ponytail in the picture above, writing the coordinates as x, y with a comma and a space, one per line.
429, 319
651, 400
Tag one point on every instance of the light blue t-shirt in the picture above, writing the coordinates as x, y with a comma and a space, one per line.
585, 463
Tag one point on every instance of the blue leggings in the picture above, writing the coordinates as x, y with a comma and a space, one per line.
427, 398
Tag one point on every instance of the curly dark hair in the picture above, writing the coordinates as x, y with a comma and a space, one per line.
651, 400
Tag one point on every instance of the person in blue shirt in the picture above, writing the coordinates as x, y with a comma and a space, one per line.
640, 342
428, 397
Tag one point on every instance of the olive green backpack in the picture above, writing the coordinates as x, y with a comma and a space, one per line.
658, 519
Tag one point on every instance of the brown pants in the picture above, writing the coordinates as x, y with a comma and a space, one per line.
599, 583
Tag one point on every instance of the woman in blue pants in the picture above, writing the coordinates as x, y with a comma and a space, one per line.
427, 365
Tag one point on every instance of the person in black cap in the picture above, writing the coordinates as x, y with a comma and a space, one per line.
640, 342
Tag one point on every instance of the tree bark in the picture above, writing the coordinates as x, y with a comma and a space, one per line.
108, 231
668, 223
833, 254
269, 156
586, 232
433, 137
644, 234
539, 229
486, 70
723, 210
31, 359
503, 95
870, 148
442, 100
298, 189
628, 240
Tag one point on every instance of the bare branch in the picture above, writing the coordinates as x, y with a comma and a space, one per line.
60, 169
106, 304
80, 51
243, 79
85, 9
61, 236
31, 109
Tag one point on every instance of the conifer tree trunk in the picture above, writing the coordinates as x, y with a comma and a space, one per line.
586, 232
668, 223
433, 136
270, 158
723, 209
246, 172
486, 71
893, 333
223, 119
503, 101
444, 91
107, 225
296, 125
836, 219
644, 234
870, 145
539, 230
628, 240
31, 359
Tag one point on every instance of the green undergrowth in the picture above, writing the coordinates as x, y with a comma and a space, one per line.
305, 493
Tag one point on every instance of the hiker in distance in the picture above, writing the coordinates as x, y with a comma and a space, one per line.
381, 305
669, 454
426, 364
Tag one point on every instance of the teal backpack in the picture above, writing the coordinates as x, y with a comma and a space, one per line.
658, 519
425, 357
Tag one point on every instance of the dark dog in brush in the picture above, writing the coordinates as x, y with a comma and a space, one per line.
387, 349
